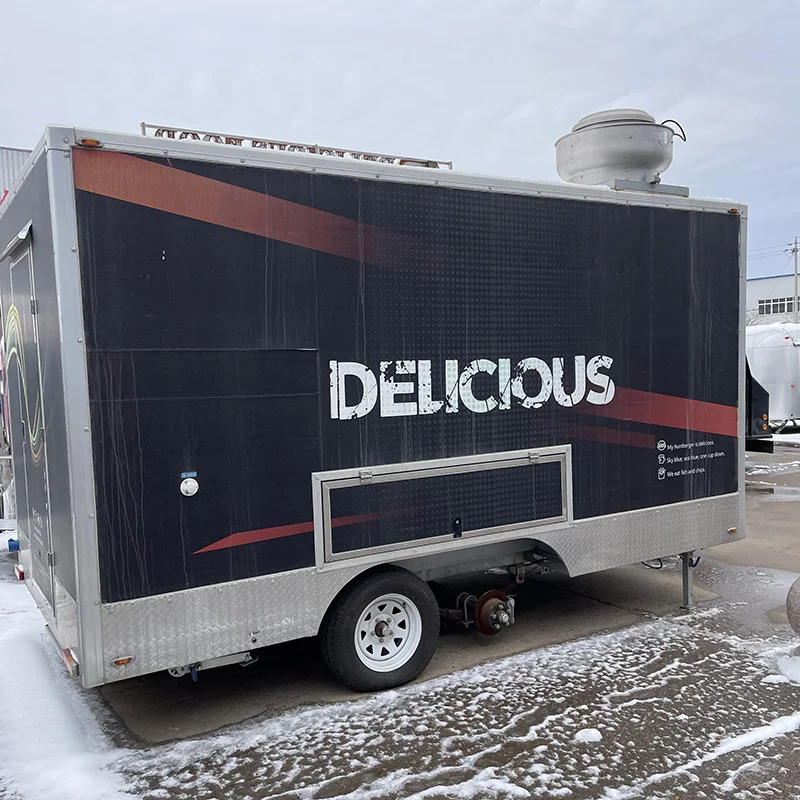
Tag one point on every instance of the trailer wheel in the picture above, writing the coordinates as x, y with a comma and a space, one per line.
381, 631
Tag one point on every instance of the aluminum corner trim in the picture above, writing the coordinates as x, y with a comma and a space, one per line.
76, 402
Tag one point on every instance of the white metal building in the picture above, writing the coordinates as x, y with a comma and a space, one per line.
11, 161
770, 299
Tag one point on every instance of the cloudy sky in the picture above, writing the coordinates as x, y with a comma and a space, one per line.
490, 85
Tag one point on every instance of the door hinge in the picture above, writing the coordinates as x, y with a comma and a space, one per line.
51, 559
34, 306
365, 475
533, 456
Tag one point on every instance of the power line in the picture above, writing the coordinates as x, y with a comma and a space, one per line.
771, 247
781, 274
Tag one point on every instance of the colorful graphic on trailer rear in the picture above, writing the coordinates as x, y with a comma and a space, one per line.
34, 392
249, 327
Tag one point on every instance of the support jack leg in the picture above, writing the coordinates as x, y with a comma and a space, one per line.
688, 580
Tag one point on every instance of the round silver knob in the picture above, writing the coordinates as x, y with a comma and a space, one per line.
189, 487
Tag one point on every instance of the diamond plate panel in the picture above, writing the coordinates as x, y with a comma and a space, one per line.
605, 542
171, 630
181, 628
66, 629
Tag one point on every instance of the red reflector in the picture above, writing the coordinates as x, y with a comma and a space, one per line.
19, 571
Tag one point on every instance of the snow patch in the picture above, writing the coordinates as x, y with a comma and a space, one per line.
789, 667
51, 744
778, 727
484, 784
730, 783
588, 735
775, 679
772, 469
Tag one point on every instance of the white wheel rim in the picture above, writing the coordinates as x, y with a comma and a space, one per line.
399, 621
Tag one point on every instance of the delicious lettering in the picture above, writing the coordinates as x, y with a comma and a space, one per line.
405, 388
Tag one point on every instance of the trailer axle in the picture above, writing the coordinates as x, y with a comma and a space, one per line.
490, 613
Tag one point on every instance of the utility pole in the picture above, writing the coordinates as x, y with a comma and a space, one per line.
794, 253
793, 249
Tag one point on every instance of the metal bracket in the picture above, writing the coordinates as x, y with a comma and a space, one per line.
18, 240
365, 475
51, 559
533, 456
650, 188
243, 659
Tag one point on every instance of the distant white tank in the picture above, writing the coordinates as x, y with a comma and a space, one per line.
622, 144
773, 352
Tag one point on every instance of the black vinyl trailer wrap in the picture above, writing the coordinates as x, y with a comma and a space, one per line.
248, 387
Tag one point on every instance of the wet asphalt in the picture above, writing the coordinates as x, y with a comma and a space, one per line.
604, 689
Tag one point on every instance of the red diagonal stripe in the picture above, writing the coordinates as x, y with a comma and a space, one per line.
135, 180
632, 405
623, 438
265, 534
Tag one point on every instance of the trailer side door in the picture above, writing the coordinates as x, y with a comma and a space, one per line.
24, 371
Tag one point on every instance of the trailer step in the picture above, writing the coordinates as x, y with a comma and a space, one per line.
242, 659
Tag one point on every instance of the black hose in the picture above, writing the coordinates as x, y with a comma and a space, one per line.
675, 122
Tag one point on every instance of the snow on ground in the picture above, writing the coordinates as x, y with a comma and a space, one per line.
786, 438
51, 745
669, 708
772, 469
789, 667
689, 706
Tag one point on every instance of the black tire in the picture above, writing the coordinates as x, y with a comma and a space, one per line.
338, 632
